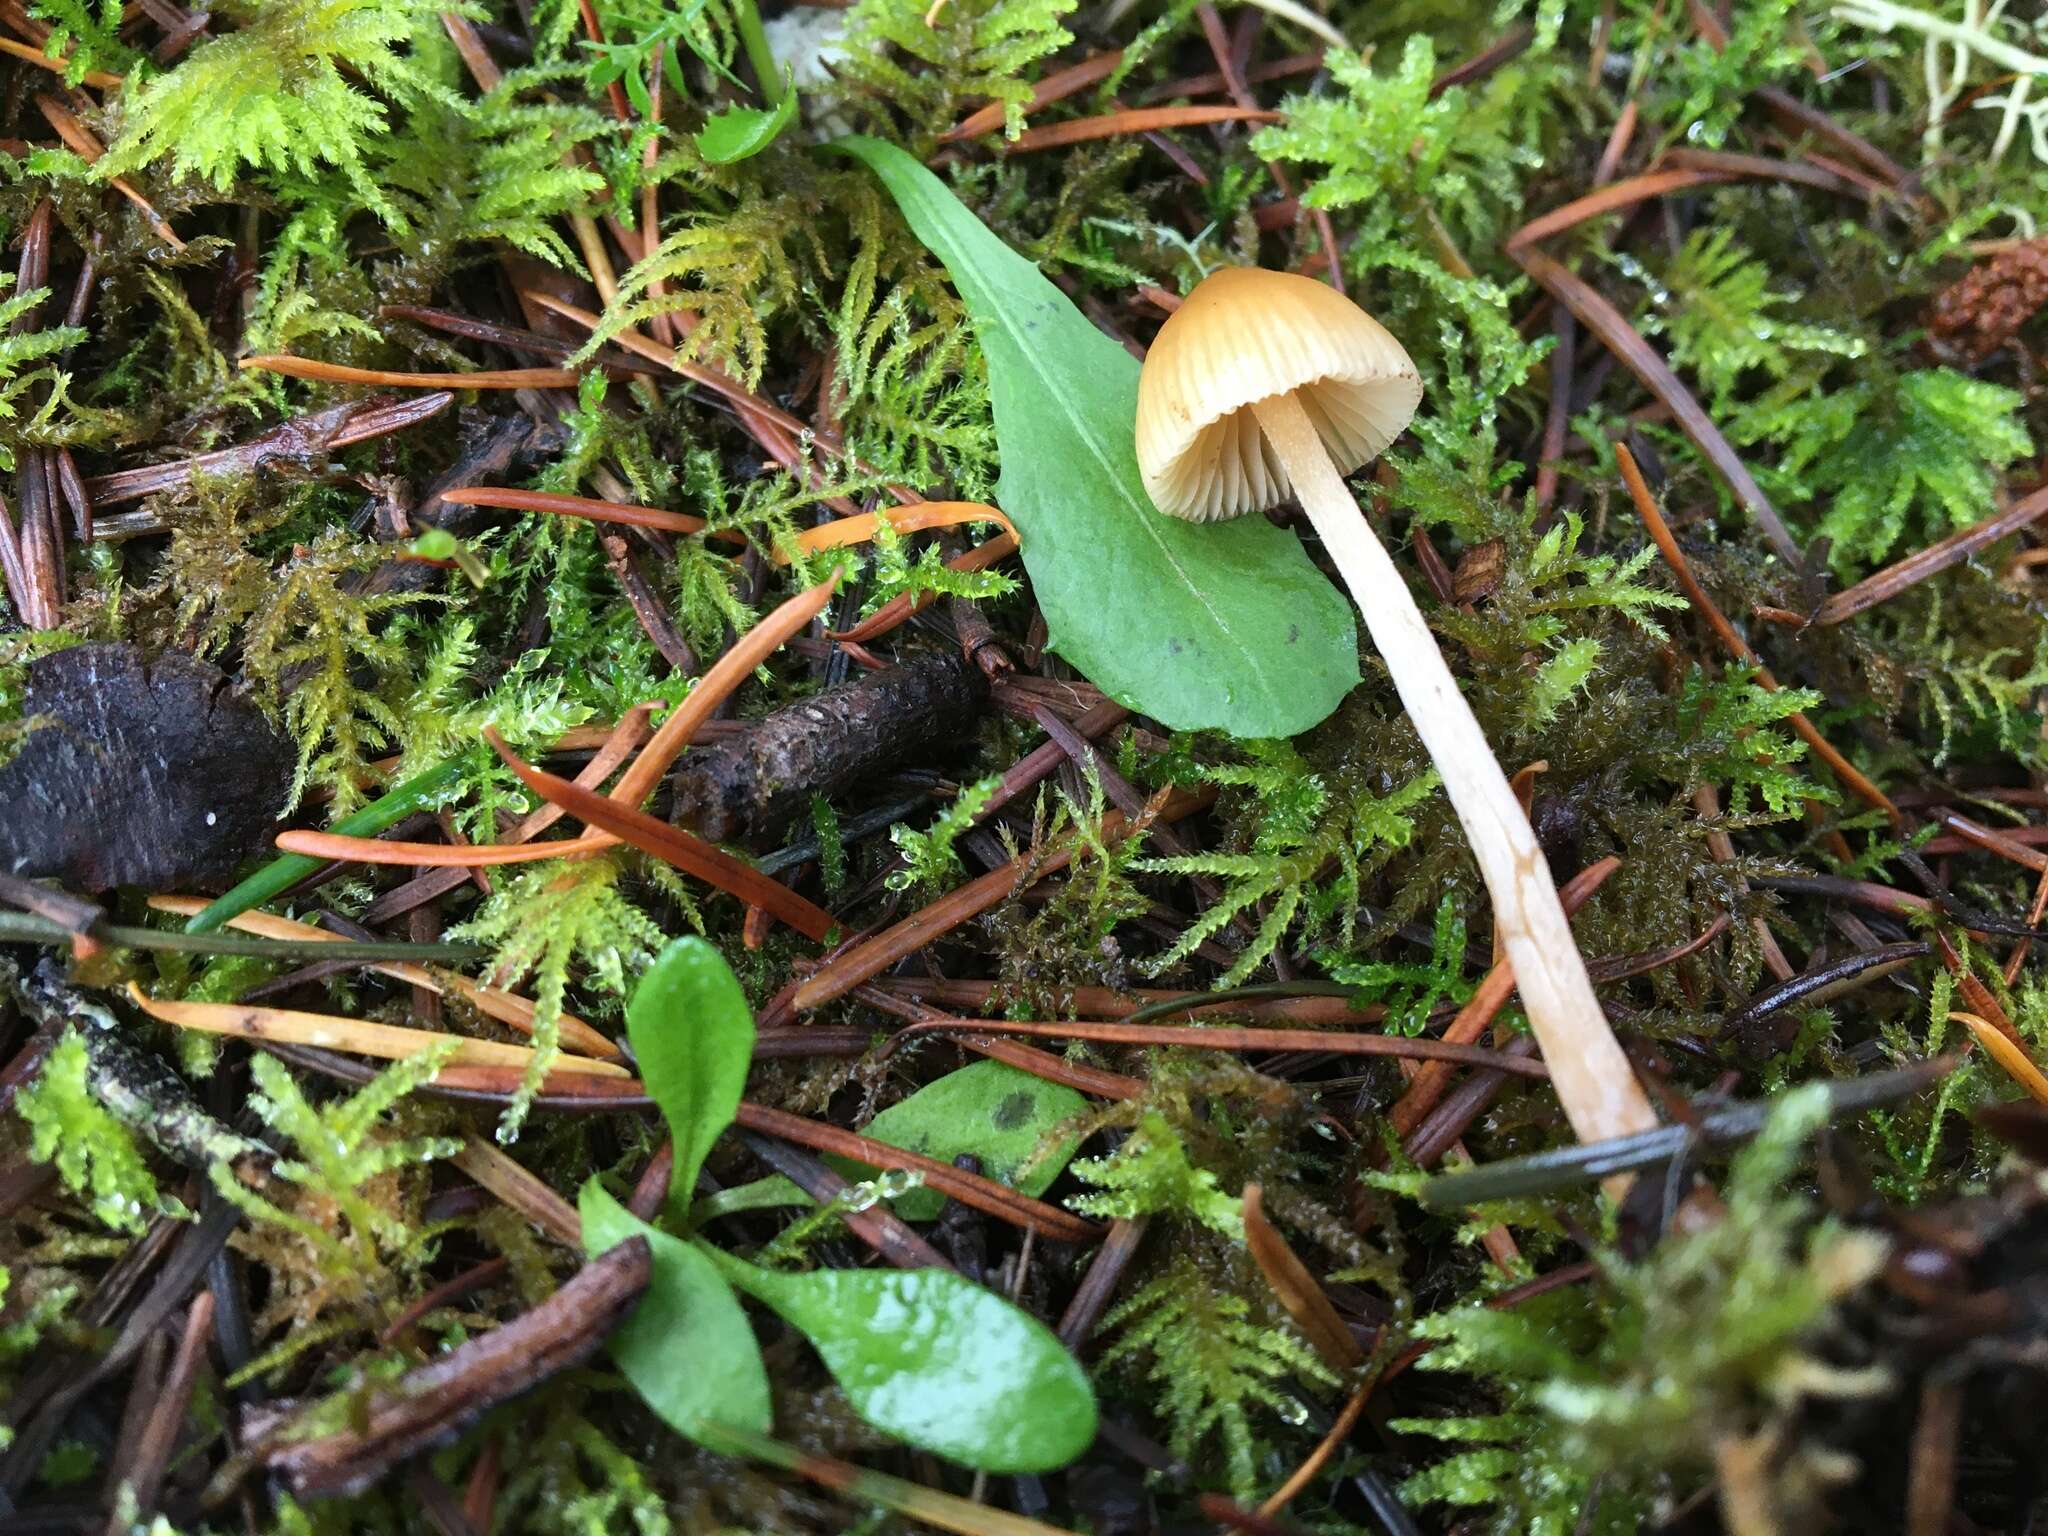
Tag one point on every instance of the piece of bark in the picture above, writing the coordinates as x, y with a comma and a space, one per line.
430, 1406
751, 786
139, 771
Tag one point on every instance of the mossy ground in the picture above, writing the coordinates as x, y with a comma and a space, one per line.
338, 171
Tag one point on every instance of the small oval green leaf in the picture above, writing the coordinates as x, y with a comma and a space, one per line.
990, 1109
687, 1348
738, 132
693, 1036
936, 1360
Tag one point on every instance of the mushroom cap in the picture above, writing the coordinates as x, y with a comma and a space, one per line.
1245, 335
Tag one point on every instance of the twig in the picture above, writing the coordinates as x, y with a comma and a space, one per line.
431, 1405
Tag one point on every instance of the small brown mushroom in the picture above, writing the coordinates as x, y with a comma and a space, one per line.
1266, 383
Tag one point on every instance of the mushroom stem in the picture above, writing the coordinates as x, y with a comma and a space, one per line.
1592, 1076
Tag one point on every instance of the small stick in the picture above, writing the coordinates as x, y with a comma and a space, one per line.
431, 1405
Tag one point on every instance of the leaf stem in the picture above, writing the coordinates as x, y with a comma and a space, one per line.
759, 55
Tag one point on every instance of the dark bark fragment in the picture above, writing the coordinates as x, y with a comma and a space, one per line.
751, 786
430, 1406
138, 771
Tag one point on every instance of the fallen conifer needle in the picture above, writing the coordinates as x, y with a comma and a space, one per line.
487, 378
691, 854
2008, 1053
391, 1042
494, 1002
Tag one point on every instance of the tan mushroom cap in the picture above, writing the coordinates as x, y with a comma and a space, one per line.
1245, 335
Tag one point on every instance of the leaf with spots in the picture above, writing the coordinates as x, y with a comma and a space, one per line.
990, 1111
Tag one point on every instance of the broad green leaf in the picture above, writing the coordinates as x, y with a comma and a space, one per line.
738, 132
990, 1109
687, 1348
936, 1360
693, 1036
1219, 625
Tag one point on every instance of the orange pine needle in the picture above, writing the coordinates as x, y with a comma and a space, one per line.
719, 681
898, 610
2008, 1053
629, 513
911, 519
487, 378
375, 850
98, 79
692, 855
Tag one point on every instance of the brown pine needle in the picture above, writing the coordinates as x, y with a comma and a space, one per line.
1667, 545
80, 141
984, 1194
521, 1189
1057, 86
578, 506
382, 378
2008, 1053
505, 1007
1616, 195
1137, 120
360, 1037
866, 960
1592, 310
1196, 1037
1939, 556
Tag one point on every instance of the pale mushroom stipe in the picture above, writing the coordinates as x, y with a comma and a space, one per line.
1265, 384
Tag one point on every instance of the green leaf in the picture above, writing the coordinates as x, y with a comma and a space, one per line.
992, 1110
693, 1036
1217, 626
936, 1360
687, 1348
738, 132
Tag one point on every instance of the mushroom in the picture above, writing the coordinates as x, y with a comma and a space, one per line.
1266, 383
